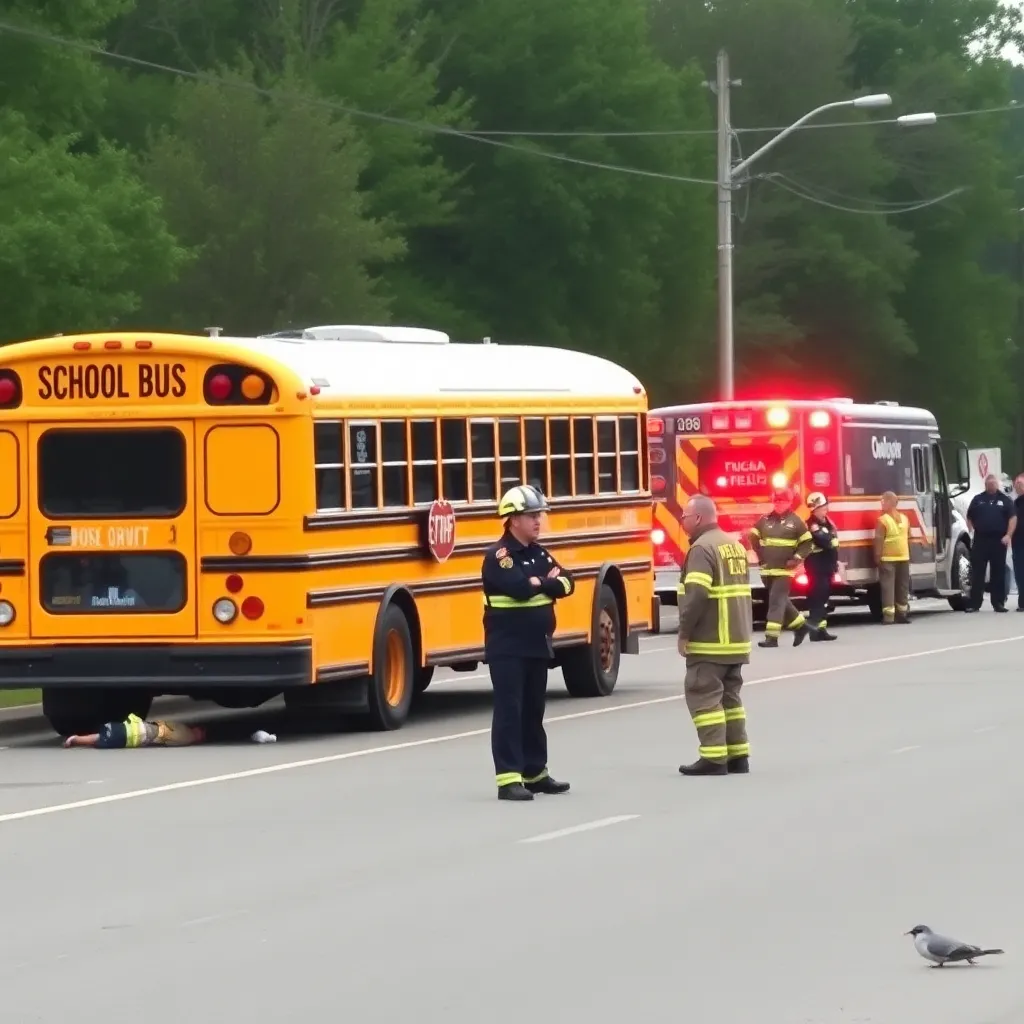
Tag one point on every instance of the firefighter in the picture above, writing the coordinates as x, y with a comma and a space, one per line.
521, 583
822, 563
892, 554
781, 542
715, 625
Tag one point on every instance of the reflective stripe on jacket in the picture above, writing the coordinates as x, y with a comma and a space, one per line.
778, 539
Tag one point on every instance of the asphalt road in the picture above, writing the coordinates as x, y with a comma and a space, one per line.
376, 878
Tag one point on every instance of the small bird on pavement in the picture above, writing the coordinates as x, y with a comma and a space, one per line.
942, 950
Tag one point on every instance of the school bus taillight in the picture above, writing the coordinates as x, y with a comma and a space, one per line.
252, 607
225, 611
10, 389
237, 385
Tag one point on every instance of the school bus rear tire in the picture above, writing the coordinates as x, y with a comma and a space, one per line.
391, 686
424, 676
82, 710
592, 670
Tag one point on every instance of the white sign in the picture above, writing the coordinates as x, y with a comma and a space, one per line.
884, 450
984, 461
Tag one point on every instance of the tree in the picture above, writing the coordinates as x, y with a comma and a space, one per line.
80, 236
267, 194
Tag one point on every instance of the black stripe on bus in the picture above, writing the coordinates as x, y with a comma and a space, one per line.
329, 596
363, 556
12, 567
344, 670
481, 510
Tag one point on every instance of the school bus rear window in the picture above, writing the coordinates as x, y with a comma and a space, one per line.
73, 583
112, 473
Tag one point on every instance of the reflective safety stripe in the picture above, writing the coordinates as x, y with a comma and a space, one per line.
804, 537
714, 753
797, 622
773, 628
508, 778
835, 542
704, 718
823, 623
566, 584
537, 778
135, 728
680, 589
777, 572
700, 579
902, 607
500, 601
735, 714
719, 648
739, 749
780, 542
889, 610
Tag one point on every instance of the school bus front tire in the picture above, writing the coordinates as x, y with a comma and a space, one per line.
82, 710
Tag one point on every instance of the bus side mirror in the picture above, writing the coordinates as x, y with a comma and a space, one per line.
963, 465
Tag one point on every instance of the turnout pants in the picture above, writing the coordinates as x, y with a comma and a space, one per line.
894, 580
988, 553
519, 743
782, 613
713, 699
818, 590
1018, 573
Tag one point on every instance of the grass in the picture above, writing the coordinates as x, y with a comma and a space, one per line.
18, 698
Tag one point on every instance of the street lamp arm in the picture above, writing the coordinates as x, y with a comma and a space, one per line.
771, 143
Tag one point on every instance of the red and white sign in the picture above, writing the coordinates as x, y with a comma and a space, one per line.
441, 530
983, 465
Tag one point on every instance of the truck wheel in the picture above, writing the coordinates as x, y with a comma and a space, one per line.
80, 711
592, 670
961, 577
391, 686
423, 678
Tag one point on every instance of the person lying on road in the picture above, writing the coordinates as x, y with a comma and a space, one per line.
136, 732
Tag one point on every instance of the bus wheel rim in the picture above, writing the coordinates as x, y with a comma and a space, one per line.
606, 641
395, 669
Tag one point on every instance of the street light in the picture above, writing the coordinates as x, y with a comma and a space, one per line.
727, 173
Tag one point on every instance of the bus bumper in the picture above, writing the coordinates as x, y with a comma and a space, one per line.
162, 667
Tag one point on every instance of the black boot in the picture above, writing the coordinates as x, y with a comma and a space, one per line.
547, 785
703, 767
821, 634
800, 634
769, 641
739, 765
514, 791
904, 619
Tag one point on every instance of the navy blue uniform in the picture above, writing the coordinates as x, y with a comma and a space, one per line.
821, 565
990, 515
519, 622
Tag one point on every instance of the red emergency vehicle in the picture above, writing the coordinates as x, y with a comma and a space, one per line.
737, 452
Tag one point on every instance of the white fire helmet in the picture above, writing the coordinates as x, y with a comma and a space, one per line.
816, 500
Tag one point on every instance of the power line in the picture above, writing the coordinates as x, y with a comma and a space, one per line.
890, 212
818, 189
421, 126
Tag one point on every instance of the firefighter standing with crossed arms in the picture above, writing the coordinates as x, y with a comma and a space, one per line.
892, 554
781, 542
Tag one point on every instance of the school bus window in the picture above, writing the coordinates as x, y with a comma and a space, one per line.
454, 460
362, 454
483, 455
327, 463
536, 436
112, 473
629, 453
561, 456
80, 583
607, 458
424, 461
583, 447
394, 463
510, 453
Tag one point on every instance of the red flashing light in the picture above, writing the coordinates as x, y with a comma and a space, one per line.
233, 584
314, 389
144, 344
819, 419
82, 346
8, 390
252, 607
112, 344
837, 578
658, 484
655, 426
219, 387
777, 417
722, 482
801, 581
657, 537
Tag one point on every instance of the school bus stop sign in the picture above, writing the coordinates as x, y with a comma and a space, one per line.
441, 530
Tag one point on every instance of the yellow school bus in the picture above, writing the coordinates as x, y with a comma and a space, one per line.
302, 513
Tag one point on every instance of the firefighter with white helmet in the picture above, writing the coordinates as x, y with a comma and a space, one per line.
821, 564
521, 583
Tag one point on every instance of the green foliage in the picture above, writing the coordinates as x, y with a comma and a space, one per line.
249, 191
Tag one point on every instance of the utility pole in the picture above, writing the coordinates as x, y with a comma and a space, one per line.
726, 382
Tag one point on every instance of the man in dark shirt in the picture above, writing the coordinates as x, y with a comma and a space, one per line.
1017, 542
993, 519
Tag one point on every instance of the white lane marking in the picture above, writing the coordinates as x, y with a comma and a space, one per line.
209, 919
906, 750
428, 741
587, 826
986, 728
